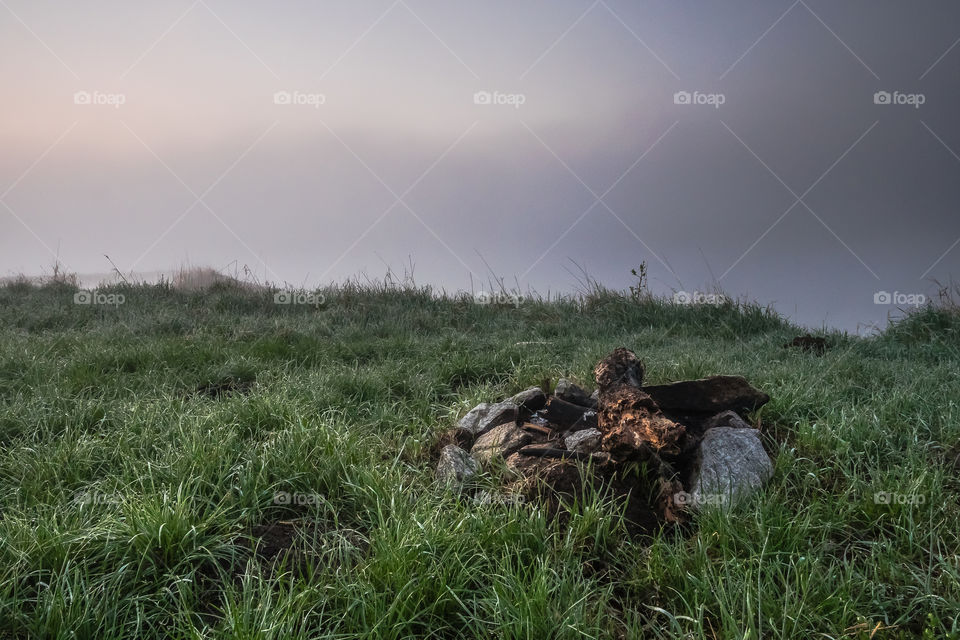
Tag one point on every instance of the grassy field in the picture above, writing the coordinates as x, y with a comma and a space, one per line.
132, 506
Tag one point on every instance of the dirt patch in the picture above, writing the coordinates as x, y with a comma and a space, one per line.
225, 387
780, 434
809, 344
949, 457
273, 539
952, 457
557, 483
278, 546
296, 545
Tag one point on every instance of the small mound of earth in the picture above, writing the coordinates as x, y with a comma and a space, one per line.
808, 343
660, 450
294, 545
273, 539
225, 387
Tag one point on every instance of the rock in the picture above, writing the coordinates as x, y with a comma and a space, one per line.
600, 458
595, 397
570, 392
727, 419
619, 368
731, 465
456, 465
471, 421
486, 416
708, 395
586, 441
532, 399
630, 420
500, 442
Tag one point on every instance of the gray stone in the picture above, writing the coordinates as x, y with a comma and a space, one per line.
586, 441
600, 458
532, 399
473, 417
500, 442
567, 390
486, 416
456, 465
731, 465
727, 419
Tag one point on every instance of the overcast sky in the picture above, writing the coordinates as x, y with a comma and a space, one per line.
740, 144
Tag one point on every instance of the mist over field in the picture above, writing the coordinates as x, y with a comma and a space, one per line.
802, 154
554, 319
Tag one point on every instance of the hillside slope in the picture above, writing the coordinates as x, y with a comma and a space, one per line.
213, 464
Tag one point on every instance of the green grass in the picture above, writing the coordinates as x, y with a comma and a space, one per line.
127, 499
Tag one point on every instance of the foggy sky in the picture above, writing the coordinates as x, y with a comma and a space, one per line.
598, 167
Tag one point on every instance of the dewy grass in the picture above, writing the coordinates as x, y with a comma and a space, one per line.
132, 505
